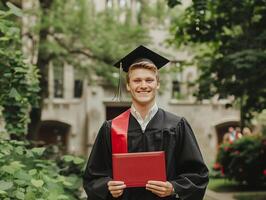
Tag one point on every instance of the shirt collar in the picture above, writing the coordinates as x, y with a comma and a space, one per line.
144, 122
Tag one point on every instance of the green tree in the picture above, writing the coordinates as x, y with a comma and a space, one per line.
19, 81
233, 62
75, 34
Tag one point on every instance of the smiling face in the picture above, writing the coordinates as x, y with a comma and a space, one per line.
143, 84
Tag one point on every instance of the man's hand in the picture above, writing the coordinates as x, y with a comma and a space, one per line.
160, 188
116, 188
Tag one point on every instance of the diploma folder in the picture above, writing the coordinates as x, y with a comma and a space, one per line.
136, 169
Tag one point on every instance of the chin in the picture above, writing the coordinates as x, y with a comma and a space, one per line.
144, 100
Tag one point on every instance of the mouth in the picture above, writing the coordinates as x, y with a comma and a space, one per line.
143, 92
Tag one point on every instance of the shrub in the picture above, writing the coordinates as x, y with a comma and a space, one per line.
26, 174
244, 160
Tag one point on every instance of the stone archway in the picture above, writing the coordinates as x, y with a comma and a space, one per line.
54, 132
222, 128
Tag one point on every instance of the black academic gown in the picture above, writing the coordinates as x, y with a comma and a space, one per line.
185, 167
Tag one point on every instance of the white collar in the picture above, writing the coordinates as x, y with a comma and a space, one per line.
144, 122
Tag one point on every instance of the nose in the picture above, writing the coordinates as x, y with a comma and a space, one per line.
143, 84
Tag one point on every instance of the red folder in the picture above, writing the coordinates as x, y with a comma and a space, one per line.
136, 169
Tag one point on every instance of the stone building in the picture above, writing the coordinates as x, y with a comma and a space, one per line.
74, 110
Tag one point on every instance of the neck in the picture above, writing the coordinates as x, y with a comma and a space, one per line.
143, 109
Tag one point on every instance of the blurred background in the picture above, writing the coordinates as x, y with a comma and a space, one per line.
57, 86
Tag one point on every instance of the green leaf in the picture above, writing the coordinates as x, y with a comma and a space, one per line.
21, 182
37, 183
2, 192
61, 196
19, 150
38, 150
32, 172
17, 165
22, 175
8, 169
5, 185
14, 9
4, 39
67, 183
78, 160
68, 158
19, 195
14, 94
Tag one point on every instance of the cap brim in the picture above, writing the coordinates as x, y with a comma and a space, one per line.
141, 52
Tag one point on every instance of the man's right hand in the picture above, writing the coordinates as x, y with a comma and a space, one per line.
116, 188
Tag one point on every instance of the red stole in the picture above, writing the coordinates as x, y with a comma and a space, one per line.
119, 132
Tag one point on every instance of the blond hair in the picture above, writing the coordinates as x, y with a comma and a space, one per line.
143, 65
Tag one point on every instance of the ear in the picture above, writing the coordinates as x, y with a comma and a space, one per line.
158, 85
128, 88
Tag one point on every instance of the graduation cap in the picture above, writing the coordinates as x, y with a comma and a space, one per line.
139, 54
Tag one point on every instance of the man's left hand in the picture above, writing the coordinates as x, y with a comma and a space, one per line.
160, 188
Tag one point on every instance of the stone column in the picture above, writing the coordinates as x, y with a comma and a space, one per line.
29, 37
133, 8
68, 81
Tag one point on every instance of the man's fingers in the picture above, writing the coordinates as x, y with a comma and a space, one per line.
117, 187
161, 189
157, 192
111, 183
155, 187
117, 193
158, 183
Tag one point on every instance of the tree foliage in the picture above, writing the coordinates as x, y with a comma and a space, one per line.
234, 32
173, 3
79, 36
19, 80
74, 33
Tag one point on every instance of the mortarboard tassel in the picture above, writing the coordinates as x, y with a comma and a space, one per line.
118, 95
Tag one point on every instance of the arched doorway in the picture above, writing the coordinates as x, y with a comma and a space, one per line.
54, 132
222, 128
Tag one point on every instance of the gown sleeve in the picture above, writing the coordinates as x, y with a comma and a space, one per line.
99, 167
192, 177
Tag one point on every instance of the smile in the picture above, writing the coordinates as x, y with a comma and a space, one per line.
143, 92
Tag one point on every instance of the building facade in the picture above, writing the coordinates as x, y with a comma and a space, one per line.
74, 110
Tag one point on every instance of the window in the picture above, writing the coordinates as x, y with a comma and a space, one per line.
46, 84
78, 83
176, 90
58, 80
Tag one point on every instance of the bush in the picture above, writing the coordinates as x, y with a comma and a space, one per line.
26, 174
244, 160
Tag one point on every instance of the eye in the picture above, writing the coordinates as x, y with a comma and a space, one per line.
149, 80
136, 80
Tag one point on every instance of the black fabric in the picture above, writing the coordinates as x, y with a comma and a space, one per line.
185, 167
141, 53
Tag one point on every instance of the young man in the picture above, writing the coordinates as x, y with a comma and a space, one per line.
149, 129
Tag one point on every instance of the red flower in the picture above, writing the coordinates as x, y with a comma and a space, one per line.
222, 170
217, 166
237, 152
226, 148
264, 172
